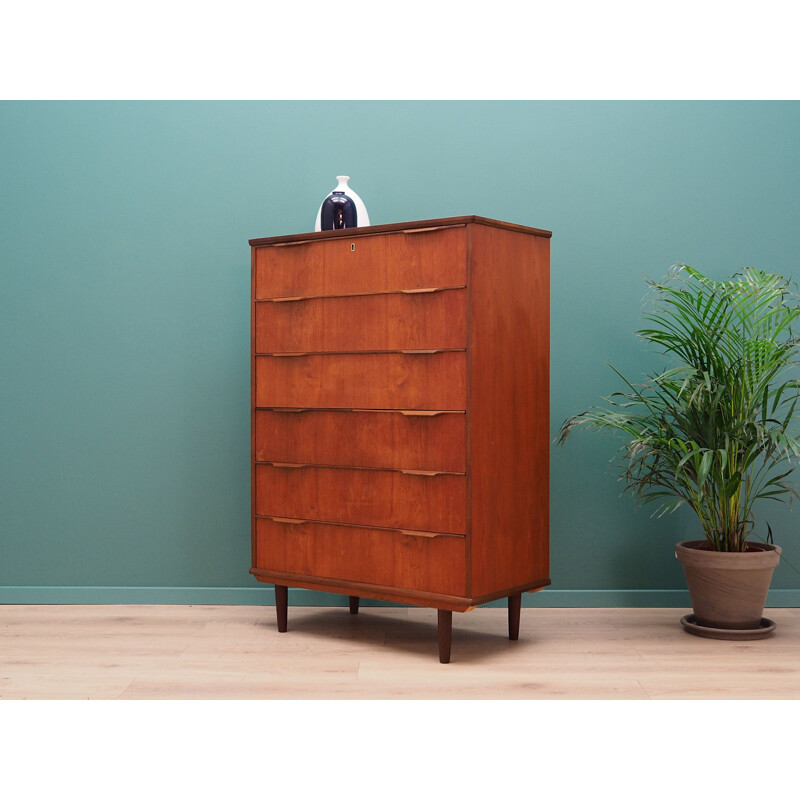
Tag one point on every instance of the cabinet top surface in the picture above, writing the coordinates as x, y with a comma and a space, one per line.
394, 227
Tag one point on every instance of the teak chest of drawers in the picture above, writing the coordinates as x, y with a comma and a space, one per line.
400, 414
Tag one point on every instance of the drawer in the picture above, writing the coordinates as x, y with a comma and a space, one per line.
375, 497
395, 439
419, 258
426, 380
408, 320
363, 555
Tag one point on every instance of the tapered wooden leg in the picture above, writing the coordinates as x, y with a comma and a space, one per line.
514, 605
353, 604
445, 635
282, 606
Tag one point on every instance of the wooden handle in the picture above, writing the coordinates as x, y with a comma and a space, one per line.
411, 413
412, 231
289, 520
299, 298
422, 472
289, 410
289, 244
356, 352
282, 465
420, 534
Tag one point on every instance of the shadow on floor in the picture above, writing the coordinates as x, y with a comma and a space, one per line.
401, 634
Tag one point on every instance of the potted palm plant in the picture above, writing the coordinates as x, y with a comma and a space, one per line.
711, 431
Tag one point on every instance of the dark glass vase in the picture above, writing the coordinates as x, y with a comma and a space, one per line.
338, 211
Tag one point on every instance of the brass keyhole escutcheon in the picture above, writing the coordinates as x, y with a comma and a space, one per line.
352, 247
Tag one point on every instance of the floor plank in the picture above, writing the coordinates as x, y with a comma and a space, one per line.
235, 652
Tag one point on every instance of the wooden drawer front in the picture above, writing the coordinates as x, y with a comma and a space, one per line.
363, 496
401, 321
363, 555
368, 380
363, 263
401, 440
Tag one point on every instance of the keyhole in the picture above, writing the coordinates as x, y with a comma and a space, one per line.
352, 247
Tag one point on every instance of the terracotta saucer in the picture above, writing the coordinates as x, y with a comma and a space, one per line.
765, 628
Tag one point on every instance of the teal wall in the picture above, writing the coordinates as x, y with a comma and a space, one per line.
124, 319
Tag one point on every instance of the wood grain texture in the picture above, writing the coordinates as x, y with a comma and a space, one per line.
332, 314
252, 405
235, 652
358, 264
429, 564
508, 413
373, 591
362, 439
380, 498
363, 380
398, 321
394, 227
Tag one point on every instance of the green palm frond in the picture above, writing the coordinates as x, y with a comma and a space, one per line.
712, 429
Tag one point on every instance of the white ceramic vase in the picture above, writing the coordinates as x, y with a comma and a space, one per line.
362, 218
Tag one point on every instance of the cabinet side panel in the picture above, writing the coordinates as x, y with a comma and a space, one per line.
508, 419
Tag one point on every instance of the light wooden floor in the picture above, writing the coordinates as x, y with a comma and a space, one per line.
235, 652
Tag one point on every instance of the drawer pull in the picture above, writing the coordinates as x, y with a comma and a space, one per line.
282, 465
421, 352
406, 412
420, 534
289, 244
422, 472
289, 520
348, 295
362, 352
413, 231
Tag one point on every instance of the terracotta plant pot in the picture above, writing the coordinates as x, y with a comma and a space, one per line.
728, 590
